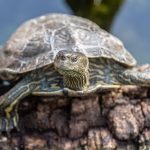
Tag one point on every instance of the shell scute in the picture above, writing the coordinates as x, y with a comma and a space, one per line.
38, 40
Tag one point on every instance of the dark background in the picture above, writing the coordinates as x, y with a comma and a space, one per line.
127, 19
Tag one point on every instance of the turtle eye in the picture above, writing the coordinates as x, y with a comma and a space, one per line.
74, 59
62, 57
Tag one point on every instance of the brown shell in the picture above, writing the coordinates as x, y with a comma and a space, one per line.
37, 41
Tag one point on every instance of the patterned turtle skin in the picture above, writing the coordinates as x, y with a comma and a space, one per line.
59, 54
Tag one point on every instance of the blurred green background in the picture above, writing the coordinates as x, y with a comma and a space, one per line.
127, 19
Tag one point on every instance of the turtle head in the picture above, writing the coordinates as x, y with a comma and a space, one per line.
74, 67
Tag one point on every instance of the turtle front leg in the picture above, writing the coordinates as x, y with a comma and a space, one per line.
9, 103
136, 76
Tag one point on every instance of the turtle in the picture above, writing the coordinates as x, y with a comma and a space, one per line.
62, 55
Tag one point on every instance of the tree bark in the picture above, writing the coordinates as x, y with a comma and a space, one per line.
117, 119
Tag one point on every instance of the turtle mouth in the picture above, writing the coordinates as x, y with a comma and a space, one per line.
64, 71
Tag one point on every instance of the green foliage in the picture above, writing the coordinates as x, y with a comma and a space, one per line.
102, 13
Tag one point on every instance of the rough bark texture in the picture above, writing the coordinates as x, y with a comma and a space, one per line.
117, 119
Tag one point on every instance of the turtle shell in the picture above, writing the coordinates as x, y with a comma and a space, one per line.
37, 41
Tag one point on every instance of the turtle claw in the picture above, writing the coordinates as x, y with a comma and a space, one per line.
7, 124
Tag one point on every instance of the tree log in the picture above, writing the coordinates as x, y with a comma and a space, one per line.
117, 119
